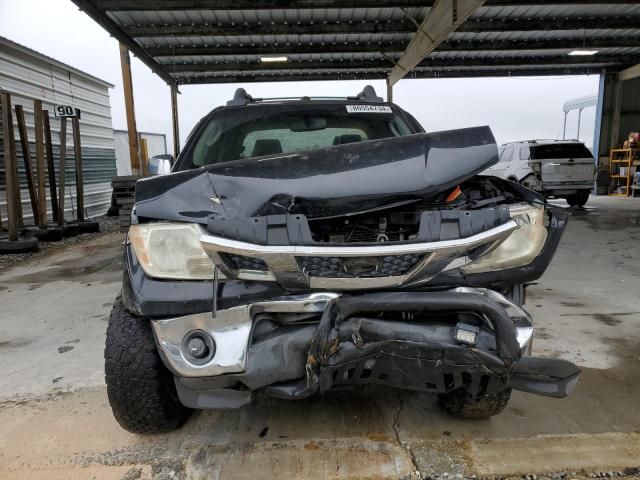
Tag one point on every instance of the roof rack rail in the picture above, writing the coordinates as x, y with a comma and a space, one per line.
539, 140
241, 97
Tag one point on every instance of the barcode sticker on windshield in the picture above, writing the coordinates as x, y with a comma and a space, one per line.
368, 109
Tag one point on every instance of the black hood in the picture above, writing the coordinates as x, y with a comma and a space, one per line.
335, 181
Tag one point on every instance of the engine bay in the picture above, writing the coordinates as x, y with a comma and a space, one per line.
402, 223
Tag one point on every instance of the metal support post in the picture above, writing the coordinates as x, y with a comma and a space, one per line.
176, 127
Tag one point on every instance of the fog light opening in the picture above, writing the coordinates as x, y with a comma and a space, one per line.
198, 347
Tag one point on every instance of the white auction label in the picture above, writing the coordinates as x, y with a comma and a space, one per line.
368, 109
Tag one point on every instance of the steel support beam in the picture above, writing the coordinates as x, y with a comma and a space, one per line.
392, 47
579, 119
346, 74
173, 5
201, 30
630, 73
132, 130
597, 130
177, 5
616, 113
386, 64
394, 26
444, 17
175, 122
548, 24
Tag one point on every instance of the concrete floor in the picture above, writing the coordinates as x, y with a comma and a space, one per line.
56, 423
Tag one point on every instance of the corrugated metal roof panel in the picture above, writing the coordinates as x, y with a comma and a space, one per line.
248, 41
532, 54
574, 10
265, 16
224, 33
546, 35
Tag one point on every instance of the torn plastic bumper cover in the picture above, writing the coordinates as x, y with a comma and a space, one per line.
408, 363
360, 339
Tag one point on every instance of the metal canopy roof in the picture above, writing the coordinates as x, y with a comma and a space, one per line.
223, 41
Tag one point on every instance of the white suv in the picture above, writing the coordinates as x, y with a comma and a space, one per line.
557, 168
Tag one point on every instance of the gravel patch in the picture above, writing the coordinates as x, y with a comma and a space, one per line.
107, 225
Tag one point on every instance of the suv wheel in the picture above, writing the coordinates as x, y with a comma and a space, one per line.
460, 404
141, 390
578, 199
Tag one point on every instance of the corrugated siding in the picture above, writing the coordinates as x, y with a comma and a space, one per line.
27, 76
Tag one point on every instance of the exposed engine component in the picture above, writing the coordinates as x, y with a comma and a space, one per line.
401, 223
395, 227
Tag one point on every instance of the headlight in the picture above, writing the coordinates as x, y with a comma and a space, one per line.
171, 250
520, 248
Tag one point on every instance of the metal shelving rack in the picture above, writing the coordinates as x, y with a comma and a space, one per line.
621, 158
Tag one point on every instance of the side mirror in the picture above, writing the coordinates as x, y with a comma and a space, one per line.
160, 164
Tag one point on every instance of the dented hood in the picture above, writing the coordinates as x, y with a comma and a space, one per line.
334, 181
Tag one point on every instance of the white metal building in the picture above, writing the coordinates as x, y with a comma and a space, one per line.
28, 75
156, 145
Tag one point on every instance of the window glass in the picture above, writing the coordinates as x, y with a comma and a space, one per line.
507, 153
560, 150
524, 152
254, 131
269, 141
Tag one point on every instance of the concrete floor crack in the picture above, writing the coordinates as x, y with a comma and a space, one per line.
396, 431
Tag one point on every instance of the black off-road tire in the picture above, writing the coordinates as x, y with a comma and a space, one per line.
579, 199
460, 404
141, 390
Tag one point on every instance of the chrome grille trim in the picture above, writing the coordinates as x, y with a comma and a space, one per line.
284, 266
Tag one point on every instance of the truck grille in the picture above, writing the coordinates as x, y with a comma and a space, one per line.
240, 262
360, 267
344, 267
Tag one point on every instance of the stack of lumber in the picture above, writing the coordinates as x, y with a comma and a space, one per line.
124, 189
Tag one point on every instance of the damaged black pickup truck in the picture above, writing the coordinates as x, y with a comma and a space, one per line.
304, 244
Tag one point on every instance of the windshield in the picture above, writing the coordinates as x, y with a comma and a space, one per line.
560, 150
256, 131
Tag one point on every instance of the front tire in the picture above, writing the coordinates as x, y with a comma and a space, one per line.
141, 390
460, 404
578, 199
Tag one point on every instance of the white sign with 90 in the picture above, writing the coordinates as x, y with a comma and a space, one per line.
66, 111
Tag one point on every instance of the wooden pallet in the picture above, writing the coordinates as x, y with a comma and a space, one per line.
124, 189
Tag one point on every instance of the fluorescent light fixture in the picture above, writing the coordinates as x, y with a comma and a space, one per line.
273, 59
577, 53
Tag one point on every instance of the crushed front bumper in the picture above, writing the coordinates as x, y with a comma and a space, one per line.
318, 341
